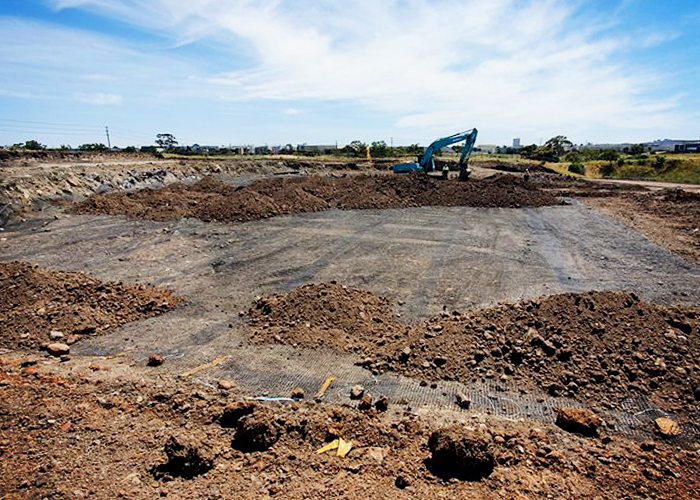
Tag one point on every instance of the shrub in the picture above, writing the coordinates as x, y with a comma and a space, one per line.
577, 168
607, 170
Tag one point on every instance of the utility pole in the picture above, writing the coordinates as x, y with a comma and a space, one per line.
109, 145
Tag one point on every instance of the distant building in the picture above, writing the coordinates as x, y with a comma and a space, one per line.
487, 148
316, 148
688, 147
516, 143
622, 147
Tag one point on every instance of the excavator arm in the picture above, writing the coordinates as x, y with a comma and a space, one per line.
426, 163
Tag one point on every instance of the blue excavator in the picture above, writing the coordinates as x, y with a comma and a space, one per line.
426, 162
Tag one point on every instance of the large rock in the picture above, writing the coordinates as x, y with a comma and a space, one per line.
578, 420
58, 349
462, 453
667, 427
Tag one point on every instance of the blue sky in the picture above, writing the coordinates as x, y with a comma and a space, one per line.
323, 71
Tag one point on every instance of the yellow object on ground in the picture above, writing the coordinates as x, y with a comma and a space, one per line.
218, 360
344, 447
327, 447
324, 387
341, 446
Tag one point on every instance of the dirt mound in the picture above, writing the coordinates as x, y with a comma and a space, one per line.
210, 199
39, 305
348, 318
596, 346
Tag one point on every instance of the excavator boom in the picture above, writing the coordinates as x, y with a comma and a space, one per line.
425, 162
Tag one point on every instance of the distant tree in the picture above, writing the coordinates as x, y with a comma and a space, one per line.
95, 146
379, 149
33, 145
636, 149
611, 156
130, 149
559, 144
65, 147
166, 141
528, 150
356, 148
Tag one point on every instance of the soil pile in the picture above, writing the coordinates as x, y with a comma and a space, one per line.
596, 346
350, 319
38, 306
68, 434
210, 199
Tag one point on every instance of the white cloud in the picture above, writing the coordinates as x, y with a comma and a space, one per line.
292, 111
536, 67
100, 99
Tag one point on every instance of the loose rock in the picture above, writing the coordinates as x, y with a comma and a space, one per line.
155, 360
56, 335
57, 349
463, 401
365, 402
402, 482
667, 427
382, 404
578, 420
225, 384
356, 392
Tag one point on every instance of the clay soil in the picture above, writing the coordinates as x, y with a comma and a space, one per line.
36, 301
105, 429
600, 347
210, 199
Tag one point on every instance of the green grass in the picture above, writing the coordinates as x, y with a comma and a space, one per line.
676, 168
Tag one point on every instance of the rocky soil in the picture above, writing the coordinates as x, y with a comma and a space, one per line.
211, 199
599, 347
104, 429
39, 307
